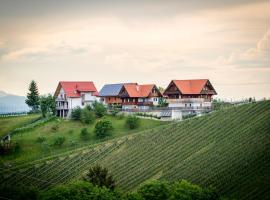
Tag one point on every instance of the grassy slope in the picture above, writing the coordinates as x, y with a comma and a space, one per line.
71, 131
227, 149
8, 124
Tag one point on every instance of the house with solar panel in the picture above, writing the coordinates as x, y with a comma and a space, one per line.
135, 96
190, 95
109, 93
72, 94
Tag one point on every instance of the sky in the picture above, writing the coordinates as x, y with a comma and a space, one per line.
144, 41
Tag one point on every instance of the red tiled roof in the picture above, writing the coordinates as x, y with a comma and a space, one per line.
190, 86
73, 88
135, 90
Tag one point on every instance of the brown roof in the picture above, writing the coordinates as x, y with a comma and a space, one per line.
135, 90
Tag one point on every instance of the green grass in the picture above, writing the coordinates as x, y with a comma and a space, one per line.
70, 129
227, 149
8, 124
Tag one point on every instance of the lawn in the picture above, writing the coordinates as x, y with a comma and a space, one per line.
31, 149
8, 124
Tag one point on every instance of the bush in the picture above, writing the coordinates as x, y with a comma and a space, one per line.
79, 190
132, 121
87, 117
103, 128
55, 127
99, 109
155, 190
59, 141
76, 113
99, 176
186, 190
84, 134
41, 139
18, 192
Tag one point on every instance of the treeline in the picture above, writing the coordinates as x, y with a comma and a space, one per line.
83, 190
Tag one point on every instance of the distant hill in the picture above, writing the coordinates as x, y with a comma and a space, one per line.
12, 103
226, 149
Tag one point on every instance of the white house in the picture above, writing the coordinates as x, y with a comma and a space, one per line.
71, 94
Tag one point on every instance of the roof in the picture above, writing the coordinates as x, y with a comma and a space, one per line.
74, 88
135, 90
110, 90
193, 86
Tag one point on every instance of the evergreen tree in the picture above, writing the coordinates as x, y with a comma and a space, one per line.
33, 96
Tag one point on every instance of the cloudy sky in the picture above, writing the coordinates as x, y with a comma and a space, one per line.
136, 41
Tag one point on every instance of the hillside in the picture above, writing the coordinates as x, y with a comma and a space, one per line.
227, 149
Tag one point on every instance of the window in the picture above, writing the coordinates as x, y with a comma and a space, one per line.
185, 105
190, 105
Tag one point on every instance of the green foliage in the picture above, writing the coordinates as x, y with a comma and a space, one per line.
47, 105
218, 104
103, 128
155, 190
87, 117
80, 190
55, 127
189, 116
84, 134
41, 139
99, 109
132, 121
187, 191
59, 141
162, 102
76, 113
32, 99
99, 176
18, 192
10, 147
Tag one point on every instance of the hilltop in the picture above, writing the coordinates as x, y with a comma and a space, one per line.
227, 149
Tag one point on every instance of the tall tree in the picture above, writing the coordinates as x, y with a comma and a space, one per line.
33, 96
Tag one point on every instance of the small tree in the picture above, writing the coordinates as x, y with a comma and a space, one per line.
99, 109
132, 121
32, 99
99, 176
155, 190
43, 105
84, 134
59, 141
87, 116
103, 128
76, 113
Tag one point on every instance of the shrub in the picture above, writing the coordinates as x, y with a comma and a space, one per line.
79, 190
155, 190
55, 127
41, 139
84, 134
7, 148
103, 128
87, 116
186, 190
99, 176
18, 192
132, 121
99, 109
76, 113
59, 141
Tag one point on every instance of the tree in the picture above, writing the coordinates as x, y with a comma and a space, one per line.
76, 113
33, 96
103, 128
84, 134
99, 109
99, 176
47, 105
132, 121
87, 116
155, 190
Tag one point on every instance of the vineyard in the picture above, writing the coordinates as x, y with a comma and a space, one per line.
227, 149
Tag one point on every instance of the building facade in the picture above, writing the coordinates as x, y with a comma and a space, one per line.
136, 96
192, 96
70, 95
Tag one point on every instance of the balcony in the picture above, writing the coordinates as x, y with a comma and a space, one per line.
189, 100
61, 99
62, 107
